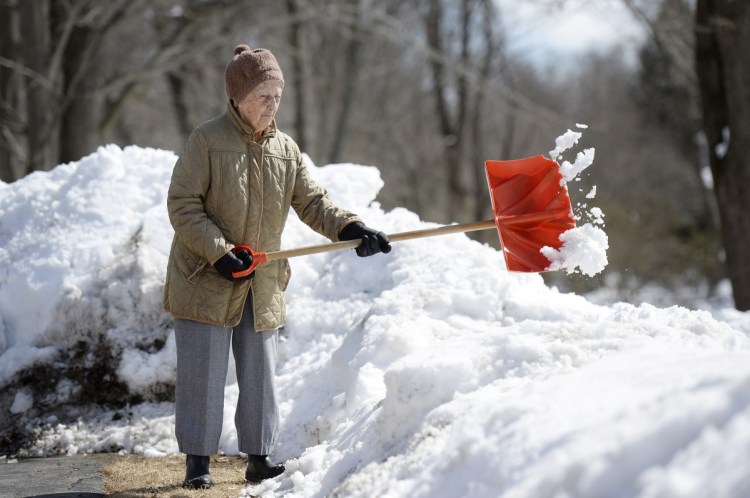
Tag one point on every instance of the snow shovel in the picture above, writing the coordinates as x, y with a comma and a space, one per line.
531, 207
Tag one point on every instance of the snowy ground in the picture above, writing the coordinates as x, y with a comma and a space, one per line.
430, 371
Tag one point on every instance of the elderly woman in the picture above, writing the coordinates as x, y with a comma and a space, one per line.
234, 185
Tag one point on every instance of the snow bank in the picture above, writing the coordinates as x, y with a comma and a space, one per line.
430, 371
84, 249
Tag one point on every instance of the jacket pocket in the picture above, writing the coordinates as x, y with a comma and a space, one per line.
194, 276
285, 274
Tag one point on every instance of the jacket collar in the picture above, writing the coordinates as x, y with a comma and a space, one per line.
246, 129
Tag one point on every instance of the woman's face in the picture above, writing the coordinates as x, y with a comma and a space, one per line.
259, 107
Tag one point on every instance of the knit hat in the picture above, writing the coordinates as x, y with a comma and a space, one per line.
247, 69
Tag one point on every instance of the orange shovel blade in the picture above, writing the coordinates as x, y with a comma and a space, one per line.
532, 209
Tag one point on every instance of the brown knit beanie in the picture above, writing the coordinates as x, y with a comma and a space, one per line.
247, 69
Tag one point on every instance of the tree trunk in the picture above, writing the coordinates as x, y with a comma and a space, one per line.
482, 203
179, 101
79, 132
723, 35
451, 128
352, 65
11, 152
40, 103
298, 86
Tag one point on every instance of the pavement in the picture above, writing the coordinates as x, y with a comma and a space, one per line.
58, 477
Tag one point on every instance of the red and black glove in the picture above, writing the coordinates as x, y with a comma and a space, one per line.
373, 241
233, 262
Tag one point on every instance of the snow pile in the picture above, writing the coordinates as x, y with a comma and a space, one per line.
83, 250
430, 371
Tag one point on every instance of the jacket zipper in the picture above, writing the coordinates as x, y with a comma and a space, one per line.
260, 216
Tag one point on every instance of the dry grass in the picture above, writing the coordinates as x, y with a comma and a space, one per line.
134, 476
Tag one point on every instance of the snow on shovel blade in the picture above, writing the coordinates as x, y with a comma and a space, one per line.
532, 209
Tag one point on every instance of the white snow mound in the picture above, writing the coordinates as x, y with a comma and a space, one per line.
427, 372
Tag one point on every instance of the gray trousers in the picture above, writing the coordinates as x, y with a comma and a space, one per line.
202, 363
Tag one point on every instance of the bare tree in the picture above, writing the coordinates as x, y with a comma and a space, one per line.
493, 49
63, 93
12, 71
452, 61
669, 94
50, 49
451, 102
723, 33
296, 41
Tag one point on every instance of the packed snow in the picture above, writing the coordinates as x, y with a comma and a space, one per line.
427, 372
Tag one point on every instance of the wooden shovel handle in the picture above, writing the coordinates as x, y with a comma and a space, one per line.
263, 257
395, 237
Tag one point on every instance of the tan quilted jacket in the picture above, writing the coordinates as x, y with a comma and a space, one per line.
227, 190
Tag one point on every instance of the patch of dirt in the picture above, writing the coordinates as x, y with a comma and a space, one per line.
64, 387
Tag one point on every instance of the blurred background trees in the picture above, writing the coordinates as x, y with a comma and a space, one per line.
424, 90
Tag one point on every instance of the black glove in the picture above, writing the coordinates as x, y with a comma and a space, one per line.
373, 241
231, 262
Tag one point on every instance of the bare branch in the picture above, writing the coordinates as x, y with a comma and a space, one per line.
14, 145
393, 29
42, 80
54, 72
681, 56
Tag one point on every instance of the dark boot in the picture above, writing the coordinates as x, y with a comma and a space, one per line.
258, 469
196, 472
